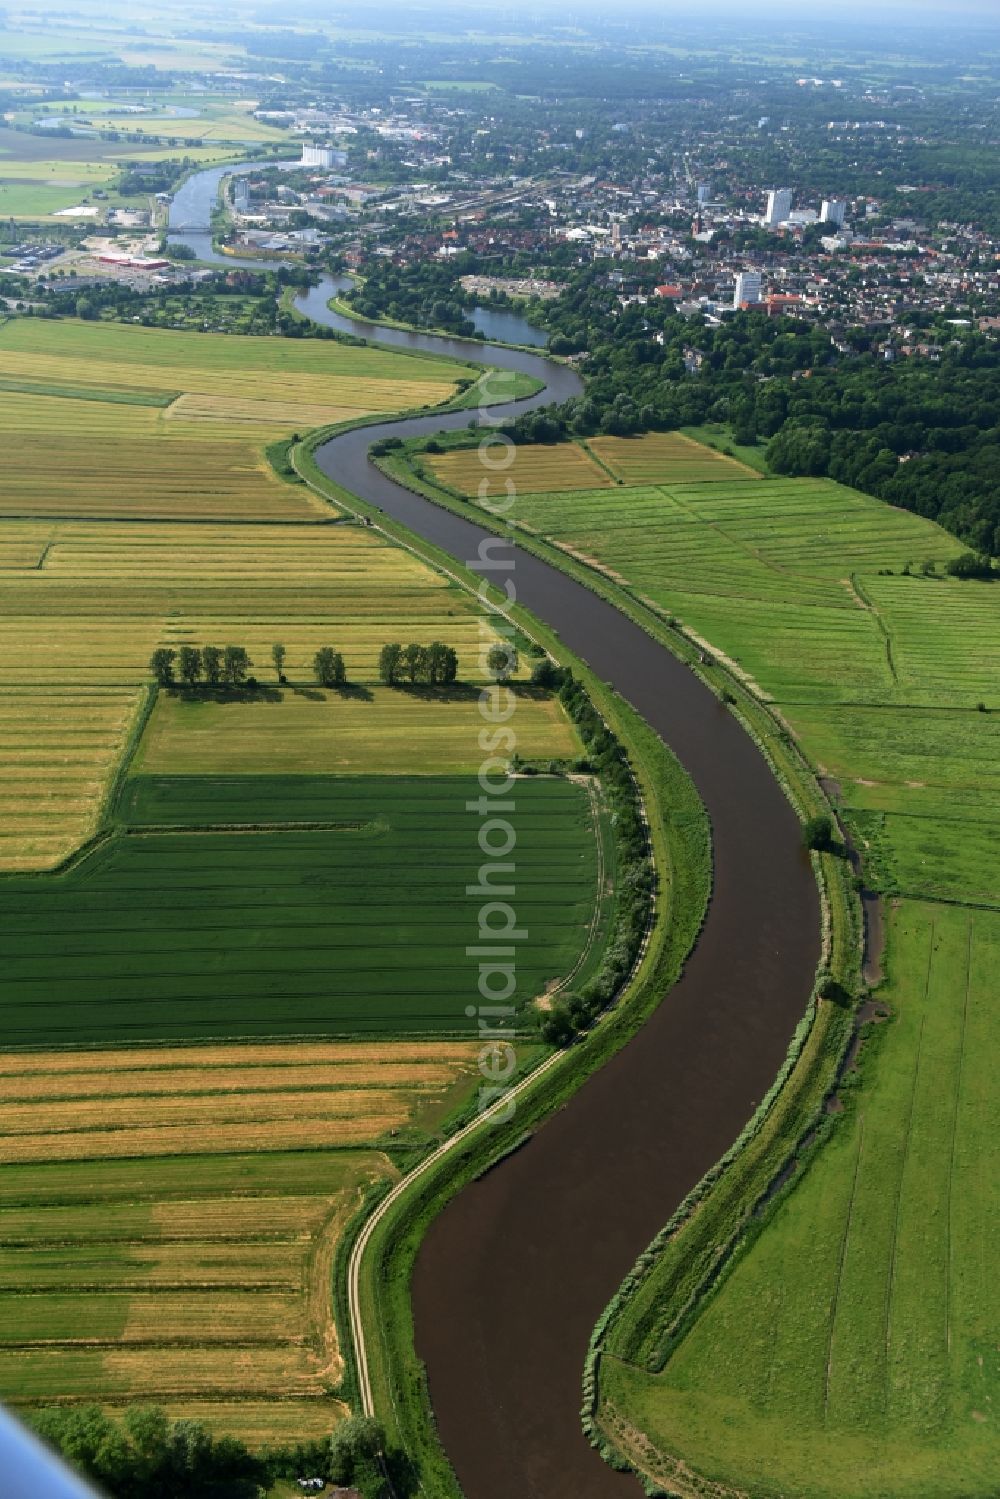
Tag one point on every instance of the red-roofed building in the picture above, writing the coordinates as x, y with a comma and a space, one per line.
781, 301
673, 292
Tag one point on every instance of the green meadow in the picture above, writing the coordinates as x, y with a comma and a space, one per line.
852, 1348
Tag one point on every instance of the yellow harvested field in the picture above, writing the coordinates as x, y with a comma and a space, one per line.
377, 393
106, 460
108, 595
282, 1134
58, 752
77, 632
258, 1423
223, 1317
156, 1372
168, 475
268, 1054
208, 1289
199, 1221
298, 733
283, 415
185, 1081
534, 470
666, 458
102, 1114
182, 419
200, 1262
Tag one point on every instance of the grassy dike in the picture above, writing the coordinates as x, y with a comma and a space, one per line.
680, 840
663, 1295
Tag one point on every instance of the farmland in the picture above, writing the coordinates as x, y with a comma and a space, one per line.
161, 1256
665, 458
534, 468
83, 606
182, 419
143, 426
248, 906
852, 1347
257, 871
380, 731
660, 457
40, 176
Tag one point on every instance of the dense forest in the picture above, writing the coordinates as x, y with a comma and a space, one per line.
426, 294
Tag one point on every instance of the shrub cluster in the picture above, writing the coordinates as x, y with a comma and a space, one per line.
145, 1455
635, 872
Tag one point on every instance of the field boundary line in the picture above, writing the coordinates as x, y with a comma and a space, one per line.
954, 1134
840, 1267
870, 608
890, 1281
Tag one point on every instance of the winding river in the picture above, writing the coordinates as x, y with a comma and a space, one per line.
514, 1273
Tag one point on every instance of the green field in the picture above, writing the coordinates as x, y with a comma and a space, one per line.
853, 1347
249, 906
852, 1351
42, 174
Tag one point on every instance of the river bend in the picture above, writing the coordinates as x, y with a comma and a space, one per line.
515, 1271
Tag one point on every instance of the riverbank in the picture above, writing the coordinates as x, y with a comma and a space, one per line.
680, 1266
387, 1377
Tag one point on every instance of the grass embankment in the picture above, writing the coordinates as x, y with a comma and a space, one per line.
852, 1348
810, 1346
771, 1140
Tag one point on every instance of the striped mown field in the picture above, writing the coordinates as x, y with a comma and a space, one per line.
58, 748
84, 605
139, 1262
666, 458
550, 469
381, 731
852, 1349
144, 423
250, 906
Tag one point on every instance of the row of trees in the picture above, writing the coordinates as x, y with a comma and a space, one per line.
230, 666
635, 879
435, 664
216, 666
145, 1455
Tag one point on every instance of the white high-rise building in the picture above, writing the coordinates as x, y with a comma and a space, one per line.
321, 156
779, 205
704, 193
833, 211
748, 288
